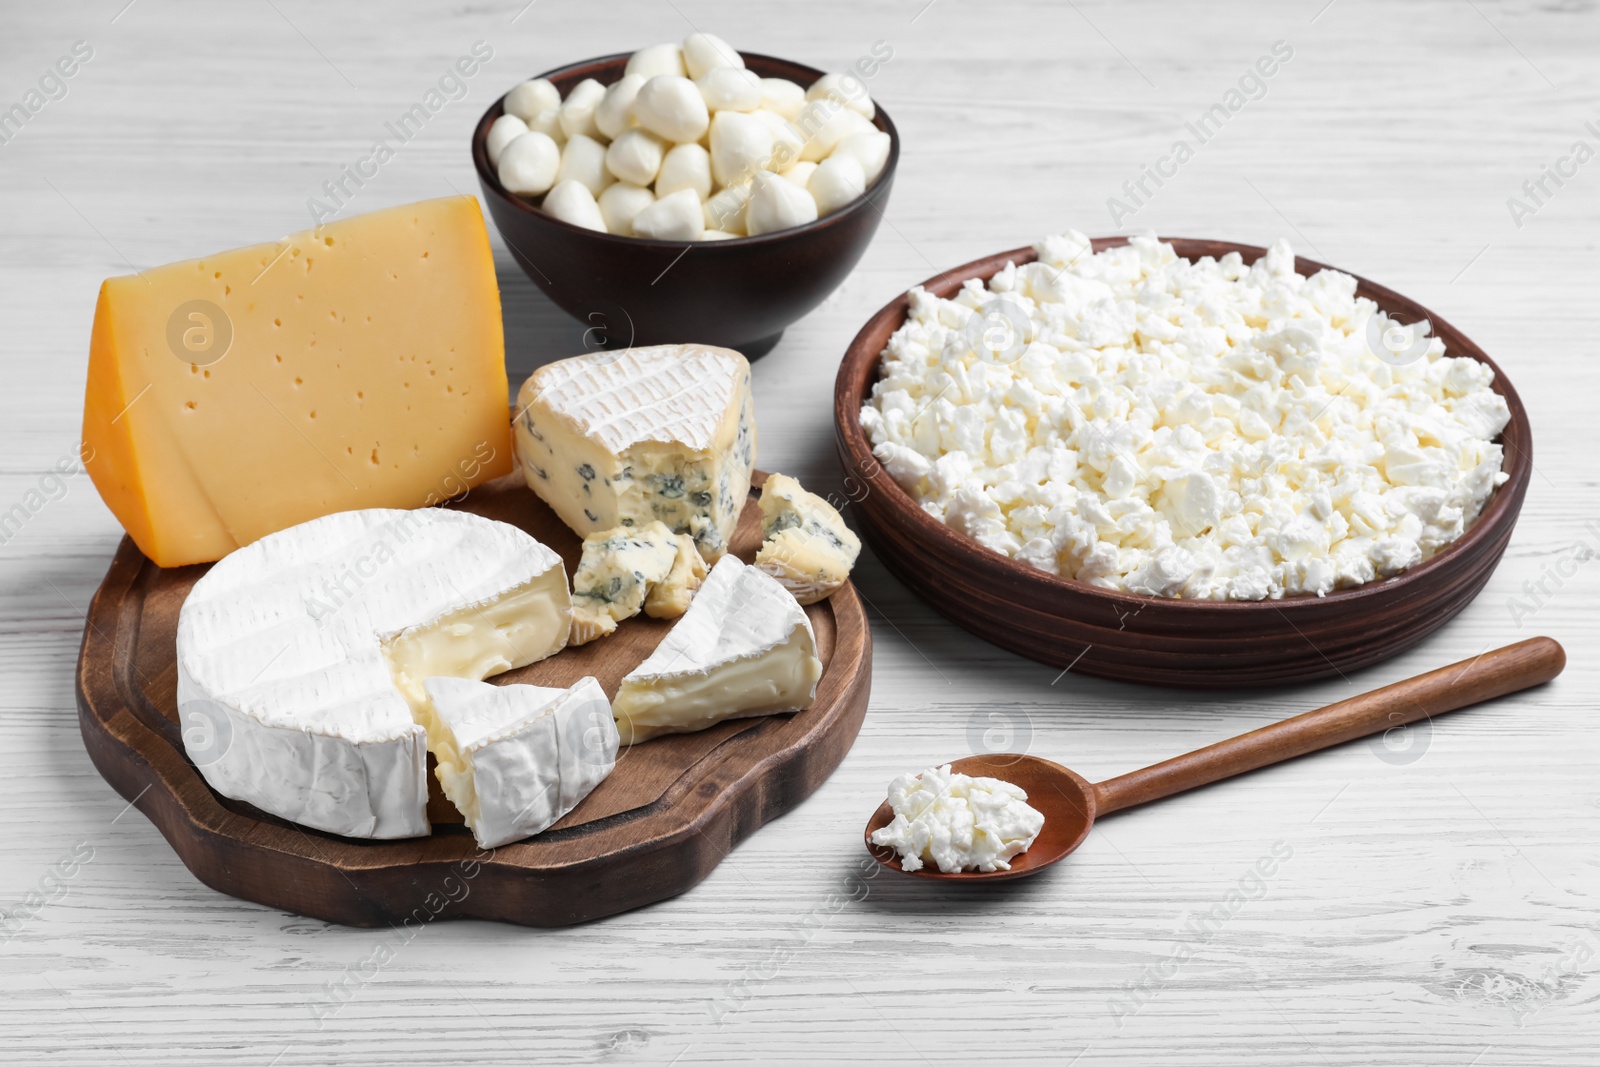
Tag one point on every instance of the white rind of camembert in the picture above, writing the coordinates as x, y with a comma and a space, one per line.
744, 647
302, 655
629, 437
513, 759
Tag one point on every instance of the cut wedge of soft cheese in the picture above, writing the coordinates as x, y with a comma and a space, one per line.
671, 596
361, 364
626, 437
513, 759
744, 647
808, 548
618, 569
302, 657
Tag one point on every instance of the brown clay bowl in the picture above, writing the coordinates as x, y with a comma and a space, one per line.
740, 294
1181, 643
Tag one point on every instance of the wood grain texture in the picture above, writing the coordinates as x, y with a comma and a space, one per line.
1188, 644
667, 814
1439, 905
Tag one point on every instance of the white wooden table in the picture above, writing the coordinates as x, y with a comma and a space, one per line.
1439, 904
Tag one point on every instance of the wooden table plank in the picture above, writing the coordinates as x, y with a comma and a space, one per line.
1437, 911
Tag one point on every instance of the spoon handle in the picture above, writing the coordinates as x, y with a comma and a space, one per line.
1493, 674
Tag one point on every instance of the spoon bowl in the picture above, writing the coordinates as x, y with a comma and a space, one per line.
1062, 796
1069, 802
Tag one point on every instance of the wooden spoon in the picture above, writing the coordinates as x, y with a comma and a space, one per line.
1070, 803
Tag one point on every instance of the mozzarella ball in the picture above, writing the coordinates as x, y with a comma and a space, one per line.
657, 59
528, 165
871, 150
847, 89
837, 180
787, 143
677, 217
725, 210
740, 146
620, 203
718, 235
572, 202
531, 97
635, 157
548, 122
615, 112
730, 89
823, 124
777, 204
704, 51
800, 173
506, 128
583, 160
686, 166
577, 113
783, 96
672, 108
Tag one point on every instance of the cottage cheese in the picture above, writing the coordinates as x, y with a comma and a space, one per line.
1204, 430
957, 822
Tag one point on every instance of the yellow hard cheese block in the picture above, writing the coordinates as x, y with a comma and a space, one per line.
358, 365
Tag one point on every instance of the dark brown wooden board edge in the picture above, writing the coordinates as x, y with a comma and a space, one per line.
282, 866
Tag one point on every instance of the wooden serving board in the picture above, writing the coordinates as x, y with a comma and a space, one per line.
665, 817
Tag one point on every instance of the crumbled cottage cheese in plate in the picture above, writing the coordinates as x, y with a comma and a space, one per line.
1197, 429
957, 822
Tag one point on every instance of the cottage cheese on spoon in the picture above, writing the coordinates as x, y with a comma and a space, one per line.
1172, 428
957, 822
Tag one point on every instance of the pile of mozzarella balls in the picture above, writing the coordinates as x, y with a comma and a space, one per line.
689, 145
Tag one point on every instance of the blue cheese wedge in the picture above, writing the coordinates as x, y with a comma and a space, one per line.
670, 597
514, 759
302, 657
808, 548
639, 435
744, 648
618, 569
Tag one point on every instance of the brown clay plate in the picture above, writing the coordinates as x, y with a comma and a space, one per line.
1180, 643
665, 817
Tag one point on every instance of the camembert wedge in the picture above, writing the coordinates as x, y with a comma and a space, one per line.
628, 437
514, 759
302, 657
744, 648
